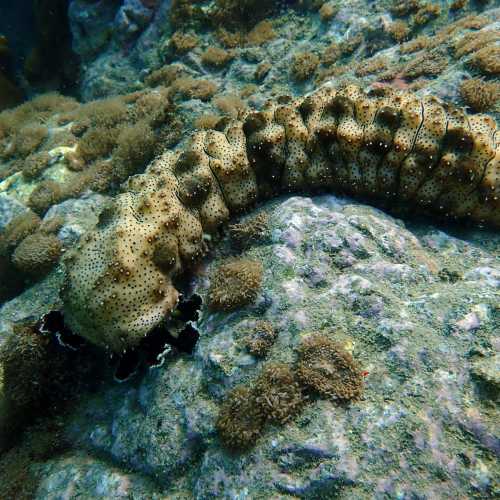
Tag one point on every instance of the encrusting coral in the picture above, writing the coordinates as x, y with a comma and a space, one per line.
235, 284
253, 230
387, 145
327, 369
18, 228
280, 392
273, 397
261, 338
37, 254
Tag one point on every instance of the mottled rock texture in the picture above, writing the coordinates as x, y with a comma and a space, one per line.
418, 308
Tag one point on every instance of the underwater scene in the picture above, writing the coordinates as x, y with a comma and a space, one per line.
249, 249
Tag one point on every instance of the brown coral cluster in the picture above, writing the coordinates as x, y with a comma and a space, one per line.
235, 284
387, 145
481, 95
279, 393
251, 231
328, 370
261, 338
28, 250
275, 397
123, 131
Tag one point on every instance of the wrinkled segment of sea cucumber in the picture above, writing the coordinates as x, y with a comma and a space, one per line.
383, 145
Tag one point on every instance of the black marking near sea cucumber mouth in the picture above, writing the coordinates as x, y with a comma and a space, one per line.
52, 323
153, 349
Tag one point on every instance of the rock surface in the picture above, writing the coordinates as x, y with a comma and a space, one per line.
418, 307
116, 40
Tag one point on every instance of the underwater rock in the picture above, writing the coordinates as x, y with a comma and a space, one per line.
487, 372
9, 208
419, 419
78, 214
132, 17
96, 478
91, 25
117, 41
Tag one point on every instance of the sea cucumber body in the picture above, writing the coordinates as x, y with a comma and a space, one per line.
385, 146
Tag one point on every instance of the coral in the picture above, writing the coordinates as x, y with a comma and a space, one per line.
235, 284
52, 225
155, 107
183, 12
473, 42
331, 54
428, 63
262, 70
35, 164
97, 142
207, 121
426, 13
80, 127
274, 397
75, 162
134, 149
229, 39
101, 175
192, 88
165, 75
419, 43
253, 230
261, 338
28, 139
242, 13
239, 423
405, 7
20, 478
458, 4
390, 145
106, 113
53, 102
230, 105
351, 44
248, 89
25, 368
182, 43
328, 370
370, 66
487, 60
39, 378
328, 11
480, 95
37, 254
277, 393
59, 138
216, 57
261, 33
18, 228
399, 30
304, 65
46, 194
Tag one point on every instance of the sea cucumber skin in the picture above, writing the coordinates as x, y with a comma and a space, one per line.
385, 146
